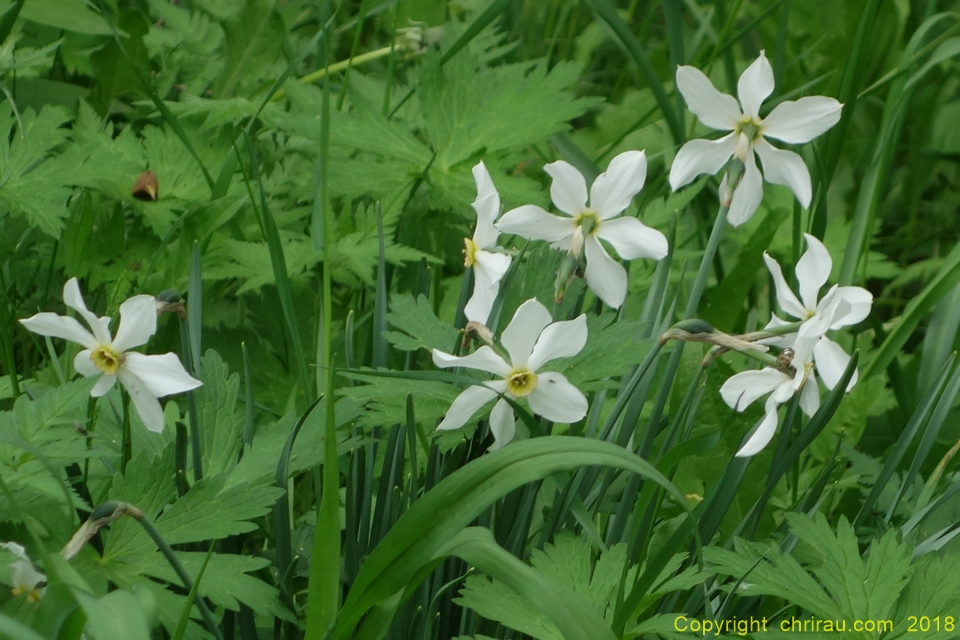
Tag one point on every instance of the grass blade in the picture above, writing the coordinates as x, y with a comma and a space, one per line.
608, 13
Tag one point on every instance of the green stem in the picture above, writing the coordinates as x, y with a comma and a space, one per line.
711, 250
126, 450
190, 365
171, 557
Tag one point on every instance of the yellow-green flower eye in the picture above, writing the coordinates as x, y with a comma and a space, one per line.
521, 382
107, 360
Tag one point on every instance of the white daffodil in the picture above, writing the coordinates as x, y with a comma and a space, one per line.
531, 340
25, 578
488, 266
792, 121
840, 307
742, 389
581, 232
145, 378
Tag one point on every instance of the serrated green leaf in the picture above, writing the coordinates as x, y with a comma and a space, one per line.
496, 601
217, 406
208, 511
420, 326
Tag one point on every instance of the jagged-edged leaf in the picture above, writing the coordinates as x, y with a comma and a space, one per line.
33, 182
217, 408
209, 511
420, 327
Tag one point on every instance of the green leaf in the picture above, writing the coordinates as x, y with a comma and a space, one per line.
409, 549
33, 183
70, 15
254, 41
208, 511
422, 329
570, 612
116, 616
217, 408
496, 601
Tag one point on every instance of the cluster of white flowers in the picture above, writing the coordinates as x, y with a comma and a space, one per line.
809, 345
589, 220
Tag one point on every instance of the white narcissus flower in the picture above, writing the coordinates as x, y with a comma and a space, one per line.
742, 389
25, 578
531, 340
842, 306
145, 378
584, 226
792, 121
488, 266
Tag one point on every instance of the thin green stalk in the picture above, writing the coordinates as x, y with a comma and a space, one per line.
192, 412
324, 585
125, 446
175, 564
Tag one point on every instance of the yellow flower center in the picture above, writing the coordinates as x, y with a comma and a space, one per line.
107, 360
520, 382
589, 222
750, 127
33, 595
469, 252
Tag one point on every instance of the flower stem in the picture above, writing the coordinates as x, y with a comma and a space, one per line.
126, 449
708, 255
191, 401
171, 557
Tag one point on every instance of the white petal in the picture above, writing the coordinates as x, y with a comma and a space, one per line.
84, 364
465, 405
785, 298
808, 336
803, 120
503, 424
810, 396
859, 300
489, 268
613, 189
568, 190
786, 168
146, 404
520, 336
532, 222
484, 182
487, 206
778, 341
756, 83
632, 239
831, 362
700, 156
556, 399
103, 385
138, 321
163, 374
485, 234
605, 276
16, 549
484, 359
742, 389
813, 269
480, 304
25, 577
715, 109
73, 299
559, 340
57, 326
748, 194
764, 433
